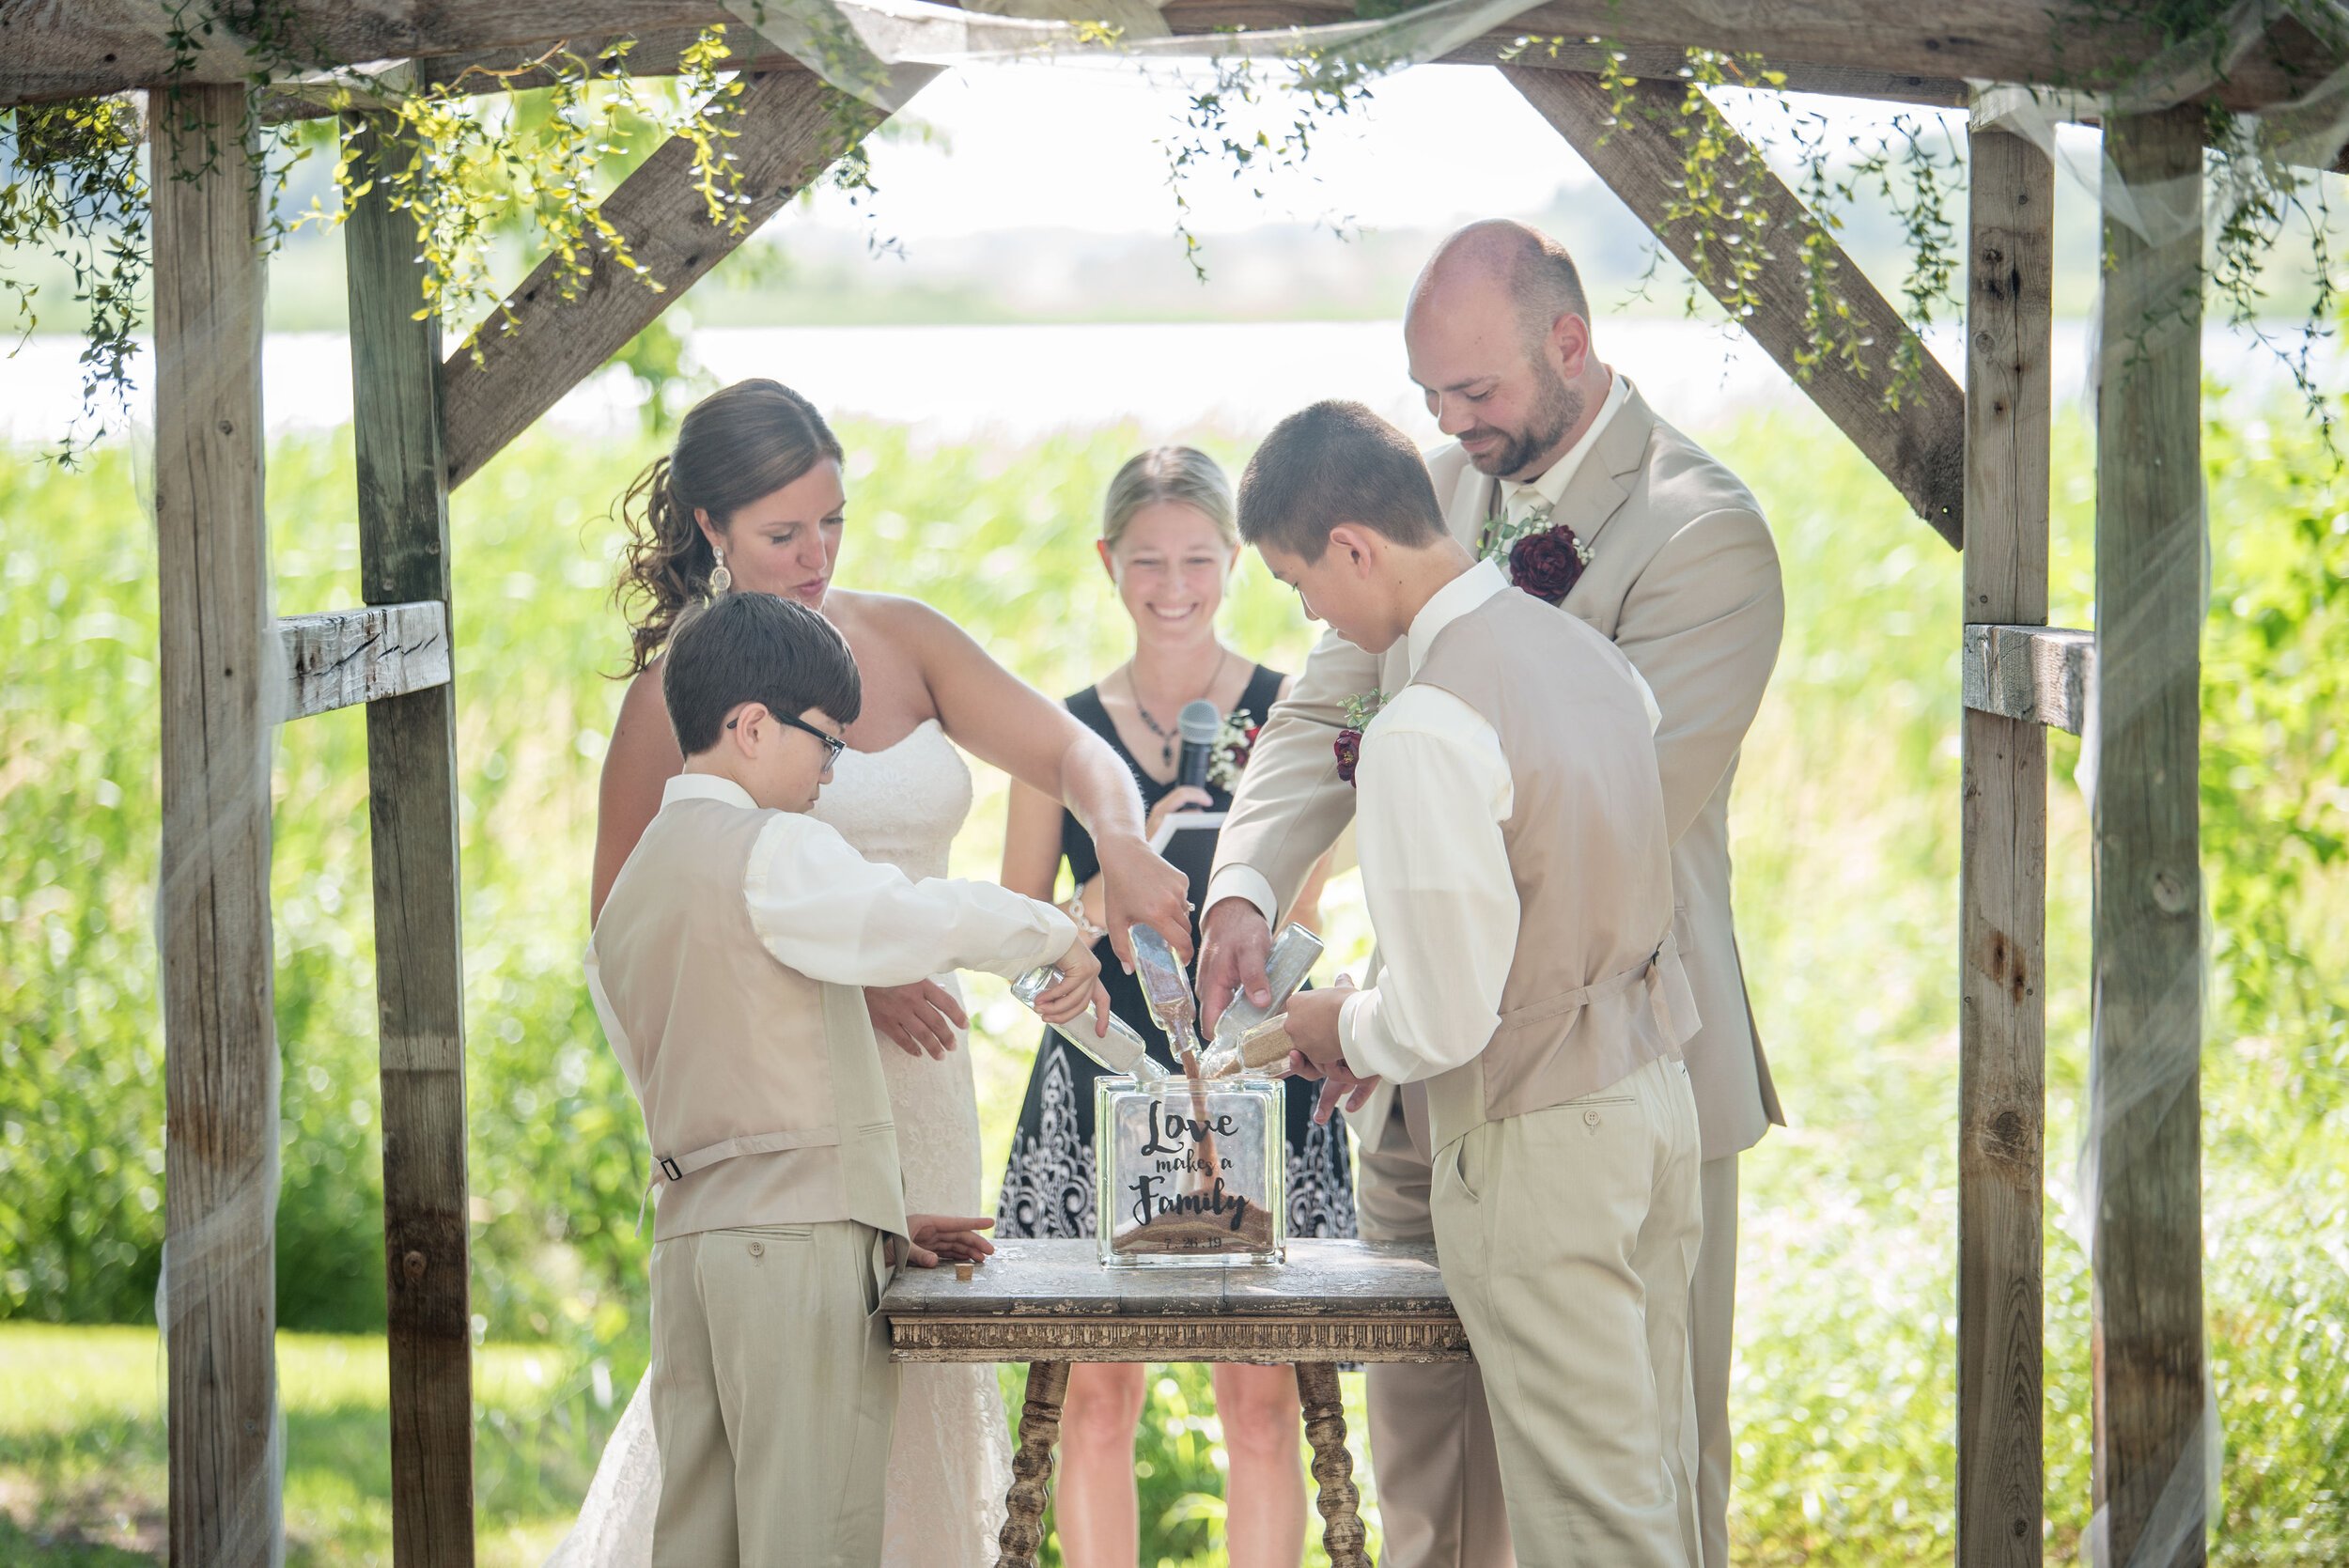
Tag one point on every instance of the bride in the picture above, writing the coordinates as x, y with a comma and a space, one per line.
753, 498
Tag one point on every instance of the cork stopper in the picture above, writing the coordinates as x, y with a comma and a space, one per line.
966, 1272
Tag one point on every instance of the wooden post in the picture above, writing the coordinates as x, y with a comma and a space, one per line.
2151, 1445
411, 792
2002, 869
222, 685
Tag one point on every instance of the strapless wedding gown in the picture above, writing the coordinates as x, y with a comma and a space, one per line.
950, 1459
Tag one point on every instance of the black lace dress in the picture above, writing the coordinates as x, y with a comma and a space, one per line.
1049, 1182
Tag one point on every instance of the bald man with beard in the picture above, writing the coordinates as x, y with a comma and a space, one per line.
1681, 573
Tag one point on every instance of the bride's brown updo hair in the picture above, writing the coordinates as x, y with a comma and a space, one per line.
734, 445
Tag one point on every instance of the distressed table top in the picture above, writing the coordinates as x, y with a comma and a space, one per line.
1053, 1300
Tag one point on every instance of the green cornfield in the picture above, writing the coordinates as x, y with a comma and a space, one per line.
1846, 843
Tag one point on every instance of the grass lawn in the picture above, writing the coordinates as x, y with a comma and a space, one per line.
82, 1474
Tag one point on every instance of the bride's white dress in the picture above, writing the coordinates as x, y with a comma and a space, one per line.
950, 1459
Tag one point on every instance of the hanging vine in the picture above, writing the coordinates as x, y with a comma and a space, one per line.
494, 157
78, 192
1319, 86
501, 155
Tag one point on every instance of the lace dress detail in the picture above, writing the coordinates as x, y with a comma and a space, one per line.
950, 1453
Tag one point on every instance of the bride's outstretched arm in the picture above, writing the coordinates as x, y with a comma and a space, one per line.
999, 718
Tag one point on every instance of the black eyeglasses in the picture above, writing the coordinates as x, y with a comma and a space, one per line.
834, 745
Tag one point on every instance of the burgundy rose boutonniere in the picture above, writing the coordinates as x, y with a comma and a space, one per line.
1541, 560
1359, 711
1548, 563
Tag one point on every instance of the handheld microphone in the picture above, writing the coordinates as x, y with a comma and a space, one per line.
1198, 724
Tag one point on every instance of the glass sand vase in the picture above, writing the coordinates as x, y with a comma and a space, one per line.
1190, 1173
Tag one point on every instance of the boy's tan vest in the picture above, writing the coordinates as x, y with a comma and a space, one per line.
761, 1088
1595, 989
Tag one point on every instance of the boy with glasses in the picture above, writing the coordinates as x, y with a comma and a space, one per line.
728, 969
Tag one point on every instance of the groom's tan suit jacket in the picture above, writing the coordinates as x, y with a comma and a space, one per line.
1684, 578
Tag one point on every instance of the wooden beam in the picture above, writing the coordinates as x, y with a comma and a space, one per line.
790, 126
219, 699
2035, 674
347, 656
1664, 62
412, 816
2002, 868
1918, 446
2144, 1077
659, 55
49, 50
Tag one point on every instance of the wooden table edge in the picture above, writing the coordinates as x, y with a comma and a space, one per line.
1264, 1341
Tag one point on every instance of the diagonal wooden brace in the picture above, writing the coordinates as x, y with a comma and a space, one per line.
1920, 446
789, 127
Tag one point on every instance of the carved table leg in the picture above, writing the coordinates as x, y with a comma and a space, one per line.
1333, 1468
1031, 1466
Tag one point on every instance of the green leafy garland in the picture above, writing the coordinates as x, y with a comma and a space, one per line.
493, 156
530, 155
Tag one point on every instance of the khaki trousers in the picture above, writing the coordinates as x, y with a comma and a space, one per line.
1430, 1434
1712, 1316
1568, 1238
772, 1397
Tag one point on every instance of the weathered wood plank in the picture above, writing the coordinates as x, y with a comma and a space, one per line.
1665, 61
2038, 674
791, 127
346, 657
2002, 869
1331, 1301
1064, 1278
413, 815
48, 50
2151, 1445
220, 693
1918, 446
658, 55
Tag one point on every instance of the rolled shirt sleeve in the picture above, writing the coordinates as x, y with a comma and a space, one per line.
834, 916
1435, 789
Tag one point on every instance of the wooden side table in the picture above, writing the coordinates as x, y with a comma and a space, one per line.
1050, 1304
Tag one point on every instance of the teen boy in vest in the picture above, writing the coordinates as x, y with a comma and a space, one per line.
729, 967
1514, 852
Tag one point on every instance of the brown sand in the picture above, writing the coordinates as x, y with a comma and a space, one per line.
1189, 1233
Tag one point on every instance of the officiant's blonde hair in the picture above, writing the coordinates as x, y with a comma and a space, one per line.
1182, 474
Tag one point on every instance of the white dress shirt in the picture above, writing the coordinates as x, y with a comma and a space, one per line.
1434, 788
825, 910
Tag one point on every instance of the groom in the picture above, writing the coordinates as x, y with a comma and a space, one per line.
1514, 853
1682, 575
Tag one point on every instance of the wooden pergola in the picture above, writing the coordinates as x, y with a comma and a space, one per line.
1972, 462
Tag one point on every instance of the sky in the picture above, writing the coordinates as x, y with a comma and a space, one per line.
1079, 146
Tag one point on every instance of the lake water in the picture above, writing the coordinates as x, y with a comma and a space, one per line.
1021, 381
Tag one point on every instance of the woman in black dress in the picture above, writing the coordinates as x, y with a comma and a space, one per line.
1169, 544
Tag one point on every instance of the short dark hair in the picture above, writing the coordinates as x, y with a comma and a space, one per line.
754, 648
1331, 463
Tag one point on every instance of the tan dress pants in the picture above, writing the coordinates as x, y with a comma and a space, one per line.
1430, 1434
772, 1397
1568, 1238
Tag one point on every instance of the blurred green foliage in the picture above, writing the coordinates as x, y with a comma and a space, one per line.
1846, 840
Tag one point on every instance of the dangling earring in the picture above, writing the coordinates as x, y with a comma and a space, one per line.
720, 579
